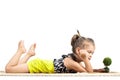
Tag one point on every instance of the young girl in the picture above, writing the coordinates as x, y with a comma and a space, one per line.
82, 47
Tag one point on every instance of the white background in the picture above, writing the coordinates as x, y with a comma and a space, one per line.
52, 23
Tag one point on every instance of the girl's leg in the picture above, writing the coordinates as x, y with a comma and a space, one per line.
15, 59
30, 53
22, 66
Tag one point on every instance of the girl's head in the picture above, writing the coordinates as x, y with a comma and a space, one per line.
79, 42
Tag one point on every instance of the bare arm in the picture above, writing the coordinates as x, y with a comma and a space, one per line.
70, 64
84, 55
88, 66
101, 70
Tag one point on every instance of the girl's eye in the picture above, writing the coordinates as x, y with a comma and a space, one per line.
90, 52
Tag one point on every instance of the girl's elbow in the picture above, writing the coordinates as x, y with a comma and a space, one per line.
87, 71
90, 71
82, 71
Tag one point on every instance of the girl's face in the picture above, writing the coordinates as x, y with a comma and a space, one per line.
90, 49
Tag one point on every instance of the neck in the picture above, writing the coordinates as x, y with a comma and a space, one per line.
77, 58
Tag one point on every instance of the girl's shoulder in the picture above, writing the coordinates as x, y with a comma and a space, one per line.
67, 55
71, 55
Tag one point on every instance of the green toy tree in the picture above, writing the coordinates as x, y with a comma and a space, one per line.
107, 62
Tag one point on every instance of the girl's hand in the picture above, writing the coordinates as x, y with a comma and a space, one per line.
101, 70
84, 54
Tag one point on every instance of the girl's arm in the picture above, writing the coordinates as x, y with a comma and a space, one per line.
84, 56
88, 66
101, 70
70, 64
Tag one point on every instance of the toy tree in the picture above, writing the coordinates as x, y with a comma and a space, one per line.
107, 62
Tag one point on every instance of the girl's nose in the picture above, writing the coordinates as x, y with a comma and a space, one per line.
90, 55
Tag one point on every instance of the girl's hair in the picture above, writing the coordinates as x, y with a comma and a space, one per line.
80, 41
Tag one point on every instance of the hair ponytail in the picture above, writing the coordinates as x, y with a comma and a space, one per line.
78, 33
74, 38
79, 41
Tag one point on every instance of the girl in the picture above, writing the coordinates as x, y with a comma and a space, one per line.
82, 47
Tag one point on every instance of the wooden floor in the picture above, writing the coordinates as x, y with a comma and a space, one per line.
60, 76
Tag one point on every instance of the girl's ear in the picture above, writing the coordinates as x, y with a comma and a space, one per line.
77, 50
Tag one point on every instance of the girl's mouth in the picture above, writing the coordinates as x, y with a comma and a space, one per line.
89, 58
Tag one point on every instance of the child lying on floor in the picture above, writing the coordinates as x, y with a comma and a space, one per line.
82, 47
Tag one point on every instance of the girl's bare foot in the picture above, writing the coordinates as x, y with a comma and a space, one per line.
31, 51
21, 47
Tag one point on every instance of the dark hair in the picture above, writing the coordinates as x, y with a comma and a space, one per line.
79, 41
